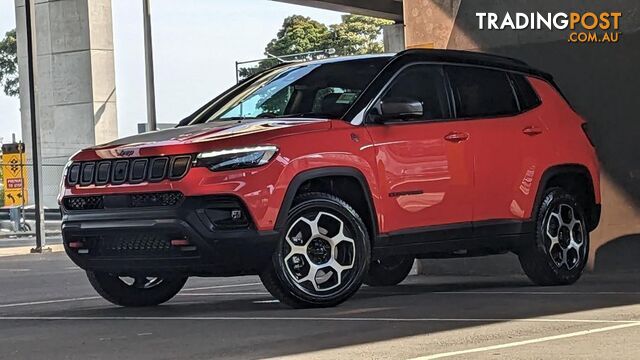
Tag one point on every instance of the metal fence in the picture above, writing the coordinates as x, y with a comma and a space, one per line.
247, 68
19, 202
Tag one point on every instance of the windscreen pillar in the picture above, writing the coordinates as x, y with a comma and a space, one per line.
75, 81
600, 80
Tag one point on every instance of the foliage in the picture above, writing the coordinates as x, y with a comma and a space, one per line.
9, 64
355, 35
298, 34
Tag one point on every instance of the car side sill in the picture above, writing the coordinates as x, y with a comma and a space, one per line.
454, 240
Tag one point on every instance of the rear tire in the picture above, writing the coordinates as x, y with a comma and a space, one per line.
389, 271
137, 292
559, 254
323, 255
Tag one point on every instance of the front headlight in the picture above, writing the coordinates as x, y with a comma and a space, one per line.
65, 171
230, 159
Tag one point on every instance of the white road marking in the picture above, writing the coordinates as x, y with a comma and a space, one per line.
273, 301
530, 341
15, 270
221, 286
49, 301
345, 319
44, 302
539, 292
225, 294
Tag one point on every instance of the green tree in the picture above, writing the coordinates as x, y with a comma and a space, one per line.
355, 35
298, 34
9, 64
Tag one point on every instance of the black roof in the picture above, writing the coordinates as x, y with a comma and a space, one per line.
473, 58
444, 56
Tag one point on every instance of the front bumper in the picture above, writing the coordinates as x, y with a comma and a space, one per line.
139, 240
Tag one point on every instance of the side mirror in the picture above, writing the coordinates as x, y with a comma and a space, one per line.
397, 109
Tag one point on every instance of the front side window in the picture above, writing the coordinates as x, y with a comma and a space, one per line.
419, 84
480, 92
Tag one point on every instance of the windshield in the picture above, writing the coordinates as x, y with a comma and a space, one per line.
305, 90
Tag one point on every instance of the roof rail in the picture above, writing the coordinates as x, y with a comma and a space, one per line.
474, 58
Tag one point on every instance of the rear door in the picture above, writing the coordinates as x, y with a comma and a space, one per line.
424, 163
506, 139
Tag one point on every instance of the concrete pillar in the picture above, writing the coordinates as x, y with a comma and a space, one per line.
599, 79
75, 81
393, 38
429, 23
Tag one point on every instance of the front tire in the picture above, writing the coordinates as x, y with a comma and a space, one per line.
135, 291
561, 246
323, 256
389, 271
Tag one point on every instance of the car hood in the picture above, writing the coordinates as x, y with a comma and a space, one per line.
199, 137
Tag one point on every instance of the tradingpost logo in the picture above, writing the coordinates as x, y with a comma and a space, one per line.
586, 27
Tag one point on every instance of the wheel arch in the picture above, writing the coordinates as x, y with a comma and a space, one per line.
322, 176
576, 179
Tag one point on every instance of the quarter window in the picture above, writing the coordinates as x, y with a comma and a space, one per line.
480, 92
527, 97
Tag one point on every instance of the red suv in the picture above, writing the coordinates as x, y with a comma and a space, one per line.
320, 176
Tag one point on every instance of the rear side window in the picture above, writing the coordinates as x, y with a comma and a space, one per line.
527, 97
480, 92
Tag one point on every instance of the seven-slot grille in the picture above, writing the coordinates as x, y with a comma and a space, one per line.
130, 171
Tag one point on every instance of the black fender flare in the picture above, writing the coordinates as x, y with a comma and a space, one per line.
549, 173
343, 171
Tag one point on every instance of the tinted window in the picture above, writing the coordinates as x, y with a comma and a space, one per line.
423, 83
527, 97
481, 92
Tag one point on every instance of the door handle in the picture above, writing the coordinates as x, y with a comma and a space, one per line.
456, 137
532, 130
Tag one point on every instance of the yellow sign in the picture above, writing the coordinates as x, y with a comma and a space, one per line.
14, 175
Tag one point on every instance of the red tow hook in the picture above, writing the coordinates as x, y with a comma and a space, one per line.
76, 245
180, 242
183, 244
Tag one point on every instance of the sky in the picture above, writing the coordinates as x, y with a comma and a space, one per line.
195, 44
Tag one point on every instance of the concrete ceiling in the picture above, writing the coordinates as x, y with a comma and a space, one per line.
386, 9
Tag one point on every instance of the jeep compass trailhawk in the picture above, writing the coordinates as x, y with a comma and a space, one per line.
324, 175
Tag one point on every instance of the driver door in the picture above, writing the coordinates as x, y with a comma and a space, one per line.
424, 158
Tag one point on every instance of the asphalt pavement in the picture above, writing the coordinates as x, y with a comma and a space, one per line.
49, 311
8, 241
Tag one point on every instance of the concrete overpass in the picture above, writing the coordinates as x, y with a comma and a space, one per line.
77, 100
386, 9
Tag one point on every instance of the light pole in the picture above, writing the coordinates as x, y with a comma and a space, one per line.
29, 8
148, 57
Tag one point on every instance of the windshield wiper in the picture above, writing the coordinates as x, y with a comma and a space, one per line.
306, 114
240, 118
